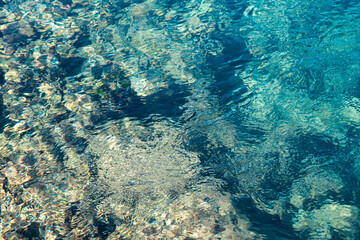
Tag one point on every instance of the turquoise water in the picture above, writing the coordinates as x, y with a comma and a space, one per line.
202, 119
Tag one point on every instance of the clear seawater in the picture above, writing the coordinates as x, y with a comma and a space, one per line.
199, 119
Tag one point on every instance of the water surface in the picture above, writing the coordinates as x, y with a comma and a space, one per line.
203, 119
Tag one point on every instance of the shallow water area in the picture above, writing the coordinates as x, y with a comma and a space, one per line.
202, 119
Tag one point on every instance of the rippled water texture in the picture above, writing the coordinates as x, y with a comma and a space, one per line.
202, 119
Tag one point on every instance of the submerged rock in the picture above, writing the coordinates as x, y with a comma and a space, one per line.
17, 33
330, 218
176, 120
